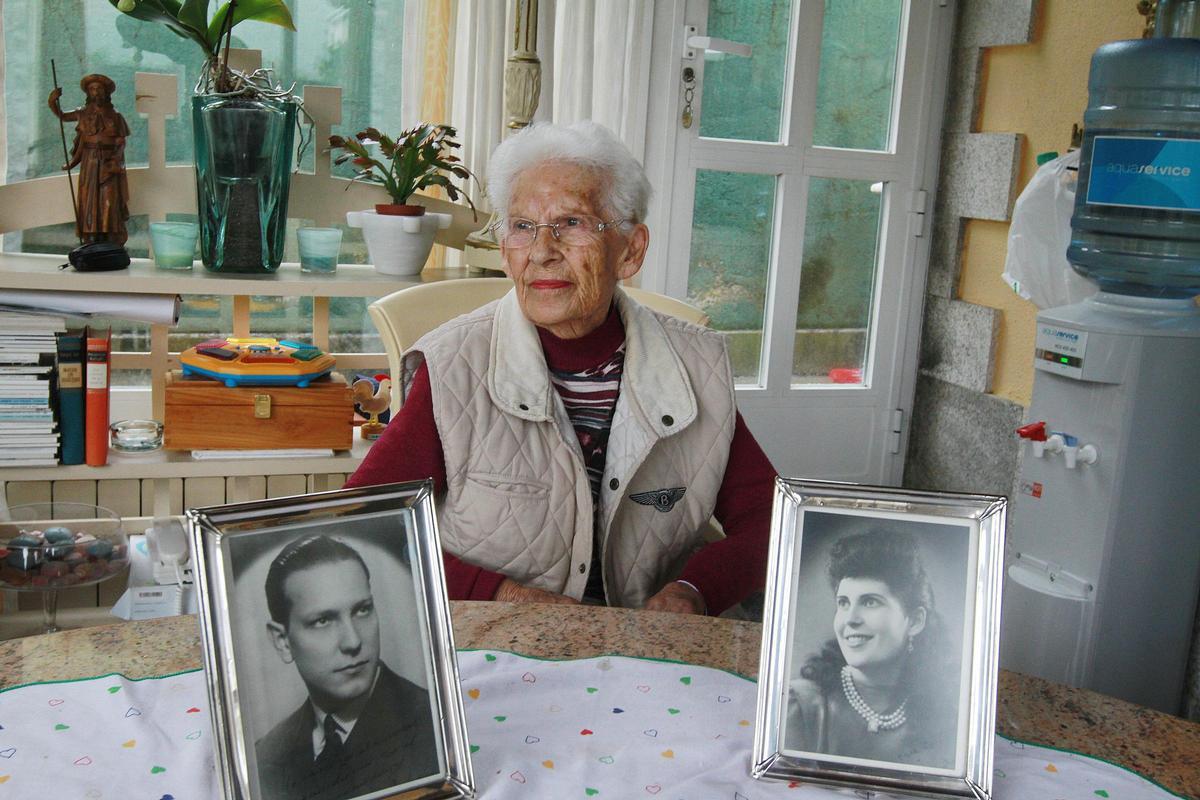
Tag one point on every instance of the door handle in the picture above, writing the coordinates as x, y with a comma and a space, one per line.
693, 42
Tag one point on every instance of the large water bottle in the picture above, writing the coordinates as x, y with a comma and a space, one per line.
1136, 226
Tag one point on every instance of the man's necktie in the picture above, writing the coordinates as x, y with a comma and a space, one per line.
332, 752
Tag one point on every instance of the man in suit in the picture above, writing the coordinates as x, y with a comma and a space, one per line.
363, 728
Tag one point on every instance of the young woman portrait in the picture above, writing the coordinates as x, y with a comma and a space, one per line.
877, 644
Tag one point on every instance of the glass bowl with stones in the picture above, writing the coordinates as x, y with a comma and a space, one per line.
45, 547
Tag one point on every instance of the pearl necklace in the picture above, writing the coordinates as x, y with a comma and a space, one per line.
876, 722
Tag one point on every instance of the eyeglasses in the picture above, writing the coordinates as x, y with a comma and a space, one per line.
574, 229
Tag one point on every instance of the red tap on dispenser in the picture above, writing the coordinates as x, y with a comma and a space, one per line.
1034, 431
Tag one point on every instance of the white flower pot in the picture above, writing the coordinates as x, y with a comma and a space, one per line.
398, 245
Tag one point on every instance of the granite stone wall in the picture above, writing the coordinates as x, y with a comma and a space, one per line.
962, 436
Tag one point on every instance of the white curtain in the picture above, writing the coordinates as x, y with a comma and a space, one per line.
482, 41
596, 65
3, 113
412, 68
595, 58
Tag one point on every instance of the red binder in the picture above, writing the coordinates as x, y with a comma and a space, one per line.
98, 357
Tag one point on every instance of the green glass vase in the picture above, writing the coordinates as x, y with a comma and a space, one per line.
243, 172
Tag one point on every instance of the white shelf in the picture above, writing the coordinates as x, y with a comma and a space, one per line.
180, 464
39, 271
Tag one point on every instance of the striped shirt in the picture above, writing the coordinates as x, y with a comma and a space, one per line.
590, 395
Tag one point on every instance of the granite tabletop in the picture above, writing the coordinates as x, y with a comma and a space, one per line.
1159, 746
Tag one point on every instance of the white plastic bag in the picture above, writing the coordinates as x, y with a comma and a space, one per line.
1036, 264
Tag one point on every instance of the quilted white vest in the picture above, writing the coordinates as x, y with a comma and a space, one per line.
518, 500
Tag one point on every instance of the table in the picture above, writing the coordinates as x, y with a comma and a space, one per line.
1161, 747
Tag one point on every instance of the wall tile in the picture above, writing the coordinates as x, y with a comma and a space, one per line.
962, 440
987, 23
979, 172
959, 344
945, 255
963, 93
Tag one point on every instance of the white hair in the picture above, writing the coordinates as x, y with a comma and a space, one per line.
625, 190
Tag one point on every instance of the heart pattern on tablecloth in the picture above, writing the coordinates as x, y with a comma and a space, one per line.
644, 731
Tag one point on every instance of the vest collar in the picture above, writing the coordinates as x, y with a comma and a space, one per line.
519, 382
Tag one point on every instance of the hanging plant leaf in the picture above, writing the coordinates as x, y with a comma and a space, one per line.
275, 12
194, 14
165, 12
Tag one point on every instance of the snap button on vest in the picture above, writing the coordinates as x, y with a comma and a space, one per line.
523, 407
668, 419
582, 568
613, 484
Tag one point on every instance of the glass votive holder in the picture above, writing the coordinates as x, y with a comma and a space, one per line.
319, 248
135, 435
174, 244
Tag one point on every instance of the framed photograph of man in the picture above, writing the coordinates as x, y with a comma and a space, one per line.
879, 651
328, 647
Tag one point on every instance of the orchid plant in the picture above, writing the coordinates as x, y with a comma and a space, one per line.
417, 159
190, 19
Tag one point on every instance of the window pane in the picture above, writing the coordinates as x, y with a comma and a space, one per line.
201, 317
61, 239
204, 317
857, 74
730, 262
743, 97
350, 328
356, 46
837, 282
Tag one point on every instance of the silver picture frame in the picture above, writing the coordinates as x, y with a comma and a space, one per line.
881, 626
328, 647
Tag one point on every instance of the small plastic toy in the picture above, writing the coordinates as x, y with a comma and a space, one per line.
257, 362
373, 397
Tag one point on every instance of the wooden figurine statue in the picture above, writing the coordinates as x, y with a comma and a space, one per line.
102, 207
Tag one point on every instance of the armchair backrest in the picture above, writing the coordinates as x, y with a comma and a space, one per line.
406, 315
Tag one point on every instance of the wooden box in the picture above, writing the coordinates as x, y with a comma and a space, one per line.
205, 414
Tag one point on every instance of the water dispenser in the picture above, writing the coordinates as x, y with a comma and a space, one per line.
1103, 570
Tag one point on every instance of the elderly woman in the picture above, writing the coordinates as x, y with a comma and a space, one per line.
883, 688
579, 442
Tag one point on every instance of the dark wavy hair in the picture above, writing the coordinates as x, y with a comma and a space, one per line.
304, 553
895, 559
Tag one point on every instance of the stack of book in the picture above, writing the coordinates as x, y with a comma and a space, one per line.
28, 428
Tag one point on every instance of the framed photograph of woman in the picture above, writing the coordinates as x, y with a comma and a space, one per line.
328, 648
879, 654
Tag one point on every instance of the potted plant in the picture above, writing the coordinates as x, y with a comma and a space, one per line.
399, 234
244, 127
417, 159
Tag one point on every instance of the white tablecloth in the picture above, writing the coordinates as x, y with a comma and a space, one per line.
610, 727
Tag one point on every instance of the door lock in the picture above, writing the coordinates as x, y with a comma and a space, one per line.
689, 93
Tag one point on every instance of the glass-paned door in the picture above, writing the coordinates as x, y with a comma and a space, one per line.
797, 198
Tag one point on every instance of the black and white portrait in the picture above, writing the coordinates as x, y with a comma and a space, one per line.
332, 664
880, 632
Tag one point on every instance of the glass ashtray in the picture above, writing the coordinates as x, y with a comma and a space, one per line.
135, 435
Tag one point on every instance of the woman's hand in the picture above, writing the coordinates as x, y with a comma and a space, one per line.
677, 598
512, 592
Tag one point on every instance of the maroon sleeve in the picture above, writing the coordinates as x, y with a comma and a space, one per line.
727, 571
411, 450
